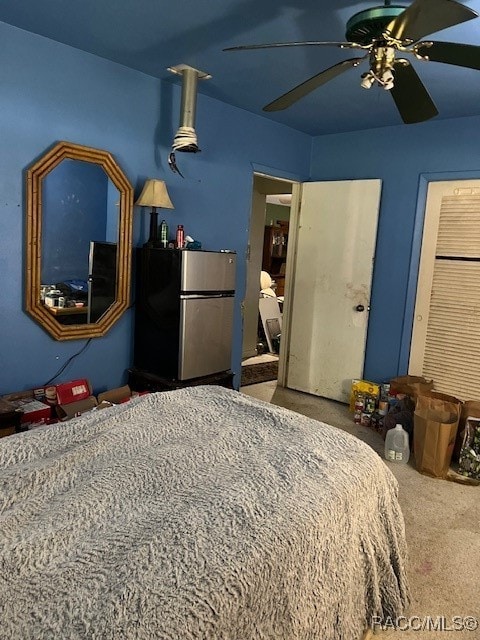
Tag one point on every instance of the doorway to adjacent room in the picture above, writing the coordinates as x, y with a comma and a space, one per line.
266, 278
328, 274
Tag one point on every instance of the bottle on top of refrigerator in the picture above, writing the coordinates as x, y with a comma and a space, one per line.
164, 234
396, 445
180, 237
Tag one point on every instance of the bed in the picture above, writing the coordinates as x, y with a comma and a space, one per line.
199, 513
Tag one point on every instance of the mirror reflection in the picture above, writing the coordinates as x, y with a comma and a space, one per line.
80, 207
78, 241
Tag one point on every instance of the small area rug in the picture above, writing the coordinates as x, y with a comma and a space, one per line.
259, 372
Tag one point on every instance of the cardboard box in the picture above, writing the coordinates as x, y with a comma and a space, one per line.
7, 431
116, 396
33, 412
73, 409
103, 405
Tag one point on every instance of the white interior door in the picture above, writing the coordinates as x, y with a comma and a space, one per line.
445, 345
329, 296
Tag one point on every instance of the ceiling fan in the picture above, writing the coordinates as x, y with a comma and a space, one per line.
383, 33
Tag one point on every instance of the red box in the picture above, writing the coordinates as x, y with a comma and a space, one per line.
33, 412
73, 391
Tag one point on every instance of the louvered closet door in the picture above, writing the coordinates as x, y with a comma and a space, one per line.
446, 331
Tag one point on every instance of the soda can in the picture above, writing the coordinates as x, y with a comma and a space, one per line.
61, 302
383, 407
370, 402
366, 419
359, 403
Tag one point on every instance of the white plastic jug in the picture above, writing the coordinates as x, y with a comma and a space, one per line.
396, 445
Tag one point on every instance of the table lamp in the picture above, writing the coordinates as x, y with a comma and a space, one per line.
154, 194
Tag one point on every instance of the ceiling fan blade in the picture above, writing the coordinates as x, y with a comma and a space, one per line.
461, 55
312, 83
410, 95
308, 43
423, 17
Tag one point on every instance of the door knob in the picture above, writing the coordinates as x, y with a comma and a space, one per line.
359, 308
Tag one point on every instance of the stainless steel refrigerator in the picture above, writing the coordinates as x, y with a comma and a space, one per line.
184, 312
102, 279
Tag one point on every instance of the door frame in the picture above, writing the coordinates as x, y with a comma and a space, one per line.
289, 290
295, 180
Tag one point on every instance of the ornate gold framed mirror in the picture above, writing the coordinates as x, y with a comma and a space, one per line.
79, 241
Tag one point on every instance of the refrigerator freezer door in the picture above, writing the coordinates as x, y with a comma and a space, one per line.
207, 271
102, 279
206, 331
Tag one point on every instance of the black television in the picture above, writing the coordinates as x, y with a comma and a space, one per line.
102, 278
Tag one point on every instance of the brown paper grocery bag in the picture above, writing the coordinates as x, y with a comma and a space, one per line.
436, 420
410, 385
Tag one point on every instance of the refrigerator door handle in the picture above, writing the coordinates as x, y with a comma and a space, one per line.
201, 296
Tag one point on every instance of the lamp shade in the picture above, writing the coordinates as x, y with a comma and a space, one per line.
155, 194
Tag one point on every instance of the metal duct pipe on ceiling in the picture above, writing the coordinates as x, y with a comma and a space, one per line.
186, 137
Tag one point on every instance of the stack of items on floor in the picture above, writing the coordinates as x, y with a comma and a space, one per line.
381, 406
440, 427
29, 409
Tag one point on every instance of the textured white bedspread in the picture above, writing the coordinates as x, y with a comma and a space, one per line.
196, 514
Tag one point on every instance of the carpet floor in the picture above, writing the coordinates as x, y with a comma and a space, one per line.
259, 372
442, 522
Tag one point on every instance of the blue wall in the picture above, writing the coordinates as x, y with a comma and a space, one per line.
406, 158
51, 92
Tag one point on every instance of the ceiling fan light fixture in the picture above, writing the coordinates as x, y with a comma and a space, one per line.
367, 80
382, 33
387, 80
